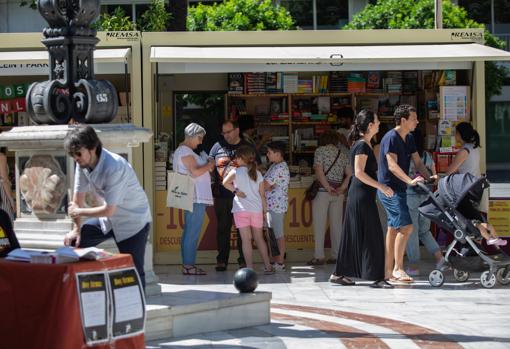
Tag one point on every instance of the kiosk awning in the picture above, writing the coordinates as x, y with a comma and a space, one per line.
285, 58
107, 61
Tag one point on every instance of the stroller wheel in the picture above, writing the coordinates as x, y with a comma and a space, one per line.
460, 275
503, 276
488, 279
436, 278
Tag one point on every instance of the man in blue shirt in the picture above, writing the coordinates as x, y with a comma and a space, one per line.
397, 149
123, 212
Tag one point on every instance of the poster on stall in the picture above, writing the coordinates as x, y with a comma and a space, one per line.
499, 216
170, 225
128, 303
454, 103
94, 304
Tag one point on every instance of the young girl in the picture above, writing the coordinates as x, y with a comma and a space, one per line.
248, 208
276, 182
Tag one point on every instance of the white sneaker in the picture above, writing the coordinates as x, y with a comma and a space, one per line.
278, 267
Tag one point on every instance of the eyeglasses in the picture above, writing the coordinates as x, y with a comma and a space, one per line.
227, 132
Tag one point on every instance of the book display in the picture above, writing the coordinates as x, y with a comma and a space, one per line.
297, 108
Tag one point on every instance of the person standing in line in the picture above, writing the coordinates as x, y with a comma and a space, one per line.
185, 161
467, 159
396, 151
332, 170
249, 204
223, 153
6, 199
124, 214
276, 182
421, 224
361, 252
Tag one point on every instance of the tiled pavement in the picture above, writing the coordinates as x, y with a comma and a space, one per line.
308, 311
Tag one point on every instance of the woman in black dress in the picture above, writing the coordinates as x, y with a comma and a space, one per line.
361, 253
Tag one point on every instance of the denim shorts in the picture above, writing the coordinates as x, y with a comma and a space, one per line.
396, 209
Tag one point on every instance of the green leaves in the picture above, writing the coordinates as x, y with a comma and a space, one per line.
118, 21
419, 14
236, 15
155, 19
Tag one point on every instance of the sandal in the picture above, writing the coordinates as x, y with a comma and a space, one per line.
269, 271
401, 276
193, 270
315, 261
341, 280
381, 284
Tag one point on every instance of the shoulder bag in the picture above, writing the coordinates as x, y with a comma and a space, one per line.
313, 189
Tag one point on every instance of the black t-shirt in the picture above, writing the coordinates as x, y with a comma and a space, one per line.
393, 143
223, 154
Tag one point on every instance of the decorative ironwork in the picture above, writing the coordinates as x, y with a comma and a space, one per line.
71, 91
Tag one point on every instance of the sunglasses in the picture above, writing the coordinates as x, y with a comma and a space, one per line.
76, 154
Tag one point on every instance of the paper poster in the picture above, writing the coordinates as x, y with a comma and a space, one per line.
94, 304
454, 103
128, 303
444, 128
499, 216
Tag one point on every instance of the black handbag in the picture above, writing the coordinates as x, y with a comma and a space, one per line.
313, 189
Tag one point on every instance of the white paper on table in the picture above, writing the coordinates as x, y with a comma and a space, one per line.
94, 308
128, 304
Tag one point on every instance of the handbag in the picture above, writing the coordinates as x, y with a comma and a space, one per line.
313, 189
272, 244
180, 192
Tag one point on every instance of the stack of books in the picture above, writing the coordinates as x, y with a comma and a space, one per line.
160, 173
356, 83
393, 82
305, 86
274, 82
337, 82
255, 83
290, 83
320, 83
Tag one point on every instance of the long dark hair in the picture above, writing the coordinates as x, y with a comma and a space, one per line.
468, 133
248, 155
360, 126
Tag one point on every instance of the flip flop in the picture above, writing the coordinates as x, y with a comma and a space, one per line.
192, 271
341, 280
401, 276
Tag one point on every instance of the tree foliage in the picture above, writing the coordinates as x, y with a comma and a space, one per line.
419, 14
117, 21
155, 19
236, 15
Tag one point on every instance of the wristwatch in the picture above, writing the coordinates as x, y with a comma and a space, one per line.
476, 222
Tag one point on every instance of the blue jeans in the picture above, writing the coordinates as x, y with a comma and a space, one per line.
421, 230
192, 225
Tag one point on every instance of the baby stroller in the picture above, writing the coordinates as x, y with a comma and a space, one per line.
452, 207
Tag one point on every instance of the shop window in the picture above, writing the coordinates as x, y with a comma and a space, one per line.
502, 17
301, 11
204, 108
332, 14
498, 142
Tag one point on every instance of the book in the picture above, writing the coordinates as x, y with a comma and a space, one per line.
235, 83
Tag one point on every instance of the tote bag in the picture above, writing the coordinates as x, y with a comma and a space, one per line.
180, 191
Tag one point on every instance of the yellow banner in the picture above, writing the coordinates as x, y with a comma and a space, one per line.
170, 224
499, 216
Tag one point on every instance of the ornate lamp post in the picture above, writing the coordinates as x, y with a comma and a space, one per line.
71, 91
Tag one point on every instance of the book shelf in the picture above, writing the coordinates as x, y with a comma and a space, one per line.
297, 118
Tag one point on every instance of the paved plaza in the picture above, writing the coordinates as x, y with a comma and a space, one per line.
309, 312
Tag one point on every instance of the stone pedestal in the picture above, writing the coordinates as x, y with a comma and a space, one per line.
45, 177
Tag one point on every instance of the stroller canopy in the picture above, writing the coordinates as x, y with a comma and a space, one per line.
454, 188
